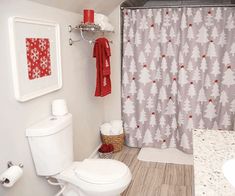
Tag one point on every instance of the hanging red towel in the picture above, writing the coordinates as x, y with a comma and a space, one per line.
102, 54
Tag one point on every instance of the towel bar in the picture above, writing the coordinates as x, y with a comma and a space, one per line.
85, 27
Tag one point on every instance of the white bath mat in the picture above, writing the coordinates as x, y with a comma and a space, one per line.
170, 155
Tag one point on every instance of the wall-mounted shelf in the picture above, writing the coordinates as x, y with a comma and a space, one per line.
85, 28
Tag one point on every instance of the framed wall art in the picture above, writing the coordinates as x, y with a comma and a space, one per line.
35, 55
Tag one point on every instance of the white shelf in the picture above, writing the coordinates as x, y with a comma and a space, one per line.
86, 28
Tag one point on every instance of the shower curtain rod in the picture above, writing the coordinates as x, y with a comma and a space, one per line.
179, 6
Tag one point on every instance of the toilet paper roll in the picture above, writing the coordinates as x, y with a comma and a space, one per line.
59, 107
11, 175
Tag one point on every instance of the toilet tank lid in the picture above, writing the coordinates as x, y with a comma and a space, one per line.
49, 126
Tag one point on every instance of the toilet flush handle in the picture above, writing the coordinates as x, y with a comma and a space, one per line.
53, 183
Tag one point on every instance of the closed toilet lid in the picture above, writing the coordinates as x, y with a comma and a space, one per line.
100, 171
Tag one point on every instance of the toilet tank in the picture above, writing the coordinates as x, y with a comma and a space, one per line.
51, 144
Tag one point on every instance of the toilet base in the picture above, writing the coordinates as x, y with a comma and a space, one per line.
76, 186
74, 191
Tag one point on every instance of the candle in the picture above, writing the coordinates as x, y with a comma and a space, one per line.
88, 16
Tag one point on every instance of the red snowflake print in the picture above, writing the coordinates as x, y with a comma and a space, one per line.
38, 57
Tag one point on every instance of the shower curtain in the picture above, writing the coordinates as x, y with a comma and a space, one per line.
177, 74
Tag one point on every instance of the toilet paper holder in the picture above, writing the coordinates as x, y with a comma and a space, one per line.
9, 164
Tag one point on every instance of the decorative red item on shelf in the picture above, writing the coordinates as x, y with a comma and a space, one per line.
88, 16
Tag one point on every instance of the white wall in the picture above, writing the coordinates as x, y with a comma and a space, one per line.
78, 89
113, 102
101, 6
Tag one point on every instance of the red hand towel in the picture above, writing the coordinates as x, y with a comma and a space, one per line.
102, 54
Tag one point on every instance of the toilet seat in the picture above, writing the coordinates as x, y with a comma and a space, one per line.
101, 171
94, 171
80, 177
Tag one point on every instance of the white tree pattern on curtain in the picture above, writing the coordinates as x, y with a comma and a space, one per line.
178, 74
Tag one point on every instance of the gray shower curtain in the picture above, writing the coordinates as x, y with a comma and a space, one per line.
177, 74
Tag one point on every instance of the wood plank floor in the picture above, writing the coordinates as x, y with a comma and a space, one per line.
155, 179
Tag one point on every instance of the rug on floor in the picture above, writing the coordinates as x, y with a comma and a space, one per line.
170, 155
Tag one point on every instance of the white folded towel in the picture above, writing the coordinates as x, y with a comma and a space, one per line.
116, 132
100, 17
105, 26
103, 22
106, 128
117, 127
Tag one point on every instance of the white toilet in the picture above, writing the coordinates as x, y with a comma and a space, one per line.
51, 143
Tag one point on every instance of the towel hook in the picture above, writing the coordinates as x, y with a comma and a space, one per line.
73, 41
70, 28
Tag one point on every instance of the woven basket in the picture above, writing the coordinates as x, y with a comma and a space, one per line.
116, 140
107, 155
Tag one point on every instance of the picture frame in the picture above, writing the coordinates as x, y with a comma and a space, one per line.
35, 57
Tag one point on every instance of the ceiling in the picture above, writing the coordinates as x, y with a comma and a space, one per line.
107, 6
100, 6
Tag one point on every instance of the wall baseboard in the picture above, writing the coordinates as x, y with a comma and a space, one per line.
94, 154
